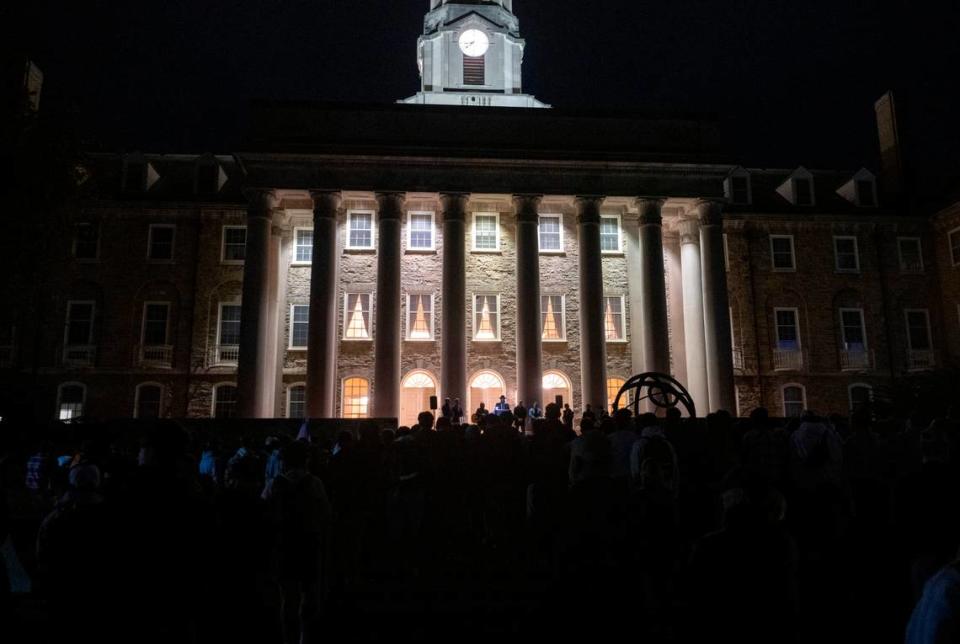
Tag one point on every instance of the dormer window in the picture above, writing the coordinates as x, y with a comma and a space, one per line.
737, 187
135, 176
803, 191
861, 189
139, 175
798, 188
210, 178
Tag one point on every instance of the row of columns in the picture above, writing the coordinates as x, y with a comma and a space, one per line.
706, 328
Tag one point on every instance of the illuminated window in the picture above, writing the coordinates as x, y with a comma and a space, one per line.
552, 318
149, 401
845, 254
71, 397
297, 401
356, 397
160, 242
224, 401
299, 326
551, 233
86, 244
781, 251
420, 316
613, 388
356, 317
610, 234
234, 244
304, 246
486, 387
911, 255
486, 231
420, 231
613, 319
555, 384
486, 318
415, 392
794, 401
360, 229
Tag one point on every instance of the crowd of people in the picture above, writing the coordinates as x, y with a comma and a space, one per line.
671, 529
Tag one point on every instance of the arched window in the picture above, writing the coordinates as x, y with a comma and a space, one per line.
486, 387
297, 401
794, 400
224, 401
860, 395
613, 388
71, 399
415, 392
149, 400
356, 398
556, 384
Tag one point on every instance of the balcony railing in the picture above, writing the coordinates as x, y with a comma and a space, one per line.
919, 360
156, 355
787, 359
6, 356
79, 355
856, 360
227, 354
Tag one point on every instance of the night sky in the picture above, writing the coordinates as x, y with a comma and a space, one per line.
791, 82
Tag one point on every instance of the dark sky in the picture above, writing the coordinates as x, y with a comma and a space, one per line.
791, 81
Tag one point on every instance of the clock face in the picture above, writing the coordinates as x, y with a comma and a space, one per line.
474, 42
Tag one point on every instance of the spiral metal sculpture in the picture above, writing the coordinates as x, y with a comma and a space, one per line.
659, 388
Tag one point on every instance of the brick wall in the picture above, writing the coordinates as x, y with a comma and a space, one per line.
121, 280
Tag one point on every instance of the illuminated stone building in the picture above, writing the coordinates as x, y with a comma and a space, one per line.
354, 260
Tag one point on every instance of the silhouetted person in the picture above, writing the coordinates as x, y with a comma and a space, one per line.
567, 416
446, 410
302, 512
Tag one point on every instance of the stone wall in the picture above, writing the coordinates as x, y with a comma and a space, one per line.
121, 280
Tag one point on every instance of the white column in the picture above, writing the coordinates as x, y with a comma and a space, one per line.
254, 312
716, 308
453, 299
529, 342
695, 342
322, 328
386, 326
653, 290
593, 342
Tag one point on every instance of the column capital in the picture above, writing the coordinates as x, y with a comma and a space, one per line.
709, 211
390, 205
650, 210
689, 229
525, 207
262, 202
588, 208
326, 203
454, 205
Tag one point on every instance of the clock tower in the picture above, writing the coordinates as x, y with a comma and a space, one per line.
470, 54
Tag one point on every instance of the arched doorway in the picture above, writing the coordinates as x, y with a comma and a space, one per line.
415, 392
486, 387
555, 384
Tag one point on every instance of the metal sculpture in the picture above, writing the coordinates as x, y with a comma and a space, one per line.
659, 388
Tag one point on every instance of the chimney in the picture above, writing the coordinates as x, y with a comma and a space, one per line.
891, 150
